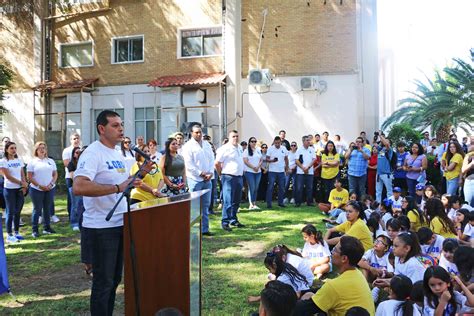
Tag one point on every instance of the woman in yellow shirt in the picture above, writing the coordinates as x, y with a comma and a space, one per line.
416, 217
330, 168
355, 227
452, 162
152, 183
438, 220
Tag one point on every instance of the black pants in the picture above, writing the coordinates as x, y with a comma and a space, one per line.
107, 263
307, 308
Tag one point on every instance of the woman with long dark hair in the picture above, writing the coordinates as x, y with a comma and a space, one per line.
71, 167
173, 170
415, 166
330, 161
372, 171
410, 209
252, 163
451, 163
127, 153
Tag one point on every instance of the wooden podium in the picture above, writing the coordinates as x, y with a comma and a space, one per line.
167, 237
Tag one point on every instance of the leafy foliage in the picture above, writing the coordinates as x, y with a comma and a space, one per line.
442, 102
6, 77
403, 133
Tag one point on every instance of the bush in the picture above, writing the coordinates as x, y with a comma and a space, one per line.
403, 133
61, 182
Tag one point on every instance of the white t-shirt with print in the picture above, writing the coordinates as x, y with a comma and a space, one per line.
280, 153
388, 308
42, 170
316, 251
413, 269
469, 230
298, 286
460, 302
377, 262
448, 266
254, 160
308, 155
434, 249
396, 203
14, 167
103, 165
302, 265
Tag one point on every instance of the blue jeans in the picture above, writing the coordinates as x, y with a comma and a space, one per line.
304, 181
335, 212
42, 201
74, 215
357, 185
290, 177
14, 201
279, 177
205, 200
469, 191
411, 183
452, 186
231, 194
253, 180
383, 180
107, 262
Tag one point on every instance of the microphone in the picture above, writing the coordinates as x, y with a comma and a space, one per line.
141, 153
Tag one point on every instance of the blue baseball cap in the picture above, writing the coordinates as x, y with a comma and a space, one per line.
420, 186
397, 189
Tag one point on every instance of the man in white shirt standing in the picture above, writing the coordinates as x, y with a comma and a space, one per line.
277, 156
305, 157
100, 177
230, 167
199, 162
75, 141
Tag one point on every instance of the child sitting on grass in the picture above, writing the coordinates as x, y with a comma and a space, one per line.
431, 244
316, 250
399, 302
446, 260
338, 196
374, 262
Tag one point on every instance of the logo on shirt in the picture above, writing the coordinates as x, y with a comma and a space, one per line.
14, 165
117, 165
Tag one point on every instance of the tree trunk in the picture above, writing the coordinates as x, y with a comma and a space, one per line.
442, 134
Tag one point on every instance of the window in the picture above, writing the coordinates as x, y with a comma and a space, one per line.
145, 122
127, 49
76, 55
201, 42
97, 112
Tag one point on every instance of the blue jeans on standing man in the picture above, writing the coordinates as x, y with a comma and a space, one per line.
383, 180
42, 201
253, 180
205, 200
279, 177
107, 262
304, 182
231, 194
74, 215
14, 201
452, 186
357, 185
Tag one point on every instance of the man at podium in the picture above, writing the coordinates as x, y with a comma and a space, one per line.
199, 164
100, 177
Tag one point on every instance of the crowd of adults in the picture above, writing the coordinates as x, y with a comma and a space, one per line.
388, 224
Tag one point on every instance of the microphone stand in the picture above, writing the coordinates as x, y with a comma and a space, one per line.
126, 194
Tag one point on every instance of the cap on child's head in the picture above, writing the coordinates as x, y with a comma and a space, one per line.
387, 202
397, 189
420, 186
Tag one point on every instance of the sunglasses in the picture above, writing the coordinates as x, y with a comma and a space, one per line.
253, 141
293, 145
126, 142
380, 242
264, 147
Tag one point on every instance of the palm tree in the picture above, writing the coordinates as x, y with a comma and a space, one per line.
442, 104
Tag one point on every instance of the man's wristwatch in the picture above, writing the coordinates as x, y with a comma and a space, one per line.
118, 188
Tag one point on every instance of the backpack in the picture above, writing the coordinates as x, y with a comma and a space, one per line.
393, 162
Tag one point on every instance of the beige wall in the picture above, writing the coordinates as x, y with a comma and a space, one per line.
300, 39
158, 21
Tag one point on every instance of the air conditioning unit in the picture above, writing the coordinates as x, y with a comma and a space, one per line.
260, 77
309, 83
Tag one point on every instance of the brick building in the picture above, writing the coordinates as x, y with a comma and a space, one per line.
161, 64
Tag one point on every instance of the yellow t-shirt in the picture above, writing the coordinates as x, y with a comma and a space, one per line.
437, 227
415, 222
338, 295
151, 179
358, 230
337, 198
331, 172
457, 158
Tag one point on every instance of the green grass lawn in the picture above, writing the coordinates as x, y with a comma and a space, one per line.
47, 278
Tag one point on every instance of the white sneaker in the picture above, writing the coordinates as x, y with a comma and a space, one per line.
75, 228
292, 201
40, 220
285, 201
55, 219
12, 239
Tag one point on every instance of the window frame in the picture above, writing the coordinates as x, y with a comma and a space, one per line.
128, 37
157, 120
60, 59
180, 41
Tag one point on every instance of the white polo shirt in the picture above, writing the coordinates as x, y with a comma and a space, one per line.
42, 170
280, 153
231, 158
254, 160
103, 165
198, 158
308, 155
